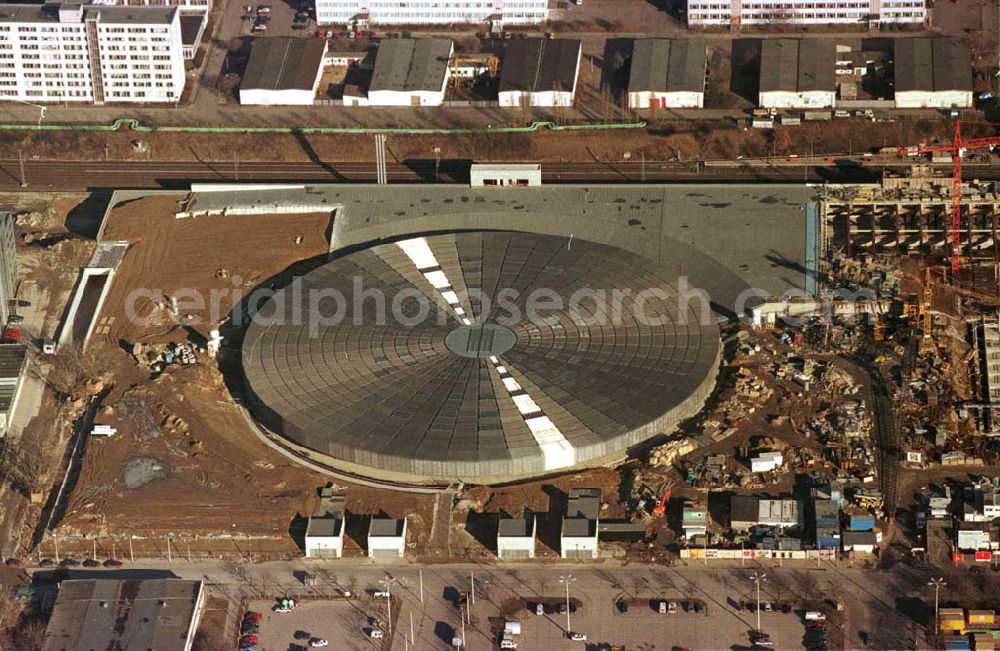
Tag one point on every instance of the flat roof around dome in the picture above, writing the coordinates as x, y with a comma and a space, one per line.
450, 356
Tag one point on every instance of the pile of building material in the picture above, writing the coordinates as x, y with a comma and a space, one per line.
156, 357
845, 431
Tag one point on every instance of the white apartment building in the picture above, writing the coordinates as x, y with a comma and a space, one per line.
705, 13
90, 54
499, 13
185, 6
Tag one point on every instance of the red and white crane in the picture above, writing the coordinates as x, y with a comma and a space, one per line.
957, 149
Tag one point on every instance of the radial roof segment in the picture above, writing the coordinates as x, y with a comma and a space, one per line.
481, 356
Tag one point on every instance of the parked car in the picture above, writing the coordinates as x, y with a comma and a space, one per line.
91, 563
249, 628
786, 608
252, 616
767, 607
698, 608
662, 607
317, 642
672, 607
113, 562
69, 562
815, 616
282, 609
539, 609
46, 562
249, 639
12, 562
622, 606
578, 637
376, 634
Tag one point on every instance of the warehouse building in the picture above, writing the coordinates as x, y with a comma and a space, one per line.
161, 614
932, 73
410, 72
283, 72
516, 537
797, 73
497, 13
91, 54
539, 72
827, 524
387, 538
706, 13
667, 73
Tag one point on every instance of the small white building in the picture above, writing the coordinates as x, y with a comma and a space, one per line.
283, 72
781, 513
861, 542
387, 538
578, 538
932, 73
516, 537
539, 72
325, 537
667, 73
410, 72
505, 174
766, 462
797, 73
975, 536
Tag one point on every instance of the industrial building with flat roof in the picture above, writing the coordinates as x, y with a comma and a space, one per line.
497, 13
667, 73
410, 72
516, 537
797, 73
283, 71
704, 13
932, 73
91, 53
161, 614
539, 72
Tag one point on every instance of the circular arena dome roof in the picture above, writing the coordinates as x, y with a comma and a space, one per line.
481, 356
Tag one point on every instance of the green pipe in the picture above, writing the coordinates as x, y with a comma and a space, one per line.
134, 125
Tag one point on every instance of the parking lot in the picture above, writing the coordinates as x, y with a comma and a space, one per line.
344, 623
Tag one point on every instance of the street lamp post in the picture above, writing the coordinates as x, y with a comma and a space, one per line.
387, 583
567, 579
938, 583
437, 164
757, 577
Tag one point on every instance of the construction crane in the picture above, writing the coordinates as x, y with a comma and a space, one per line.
957, 149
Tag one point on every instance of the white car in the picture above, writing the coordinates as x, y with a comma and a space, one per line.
376, 634
281, 609
318, 642
578, 637
381, 594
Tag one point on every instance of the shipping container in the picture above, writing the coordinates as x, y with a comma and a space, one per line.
814, 116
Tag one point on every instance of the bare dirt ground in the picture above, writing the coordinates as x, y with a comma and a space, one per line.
694, 139
184, 465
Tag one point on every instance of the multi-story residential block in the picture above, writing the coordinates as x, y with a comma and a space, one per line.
704, 13
90, 54
499, 13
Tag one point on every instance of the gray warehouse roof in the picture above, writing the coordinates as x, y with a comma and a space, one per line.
668, 65
579, 528
386, 527
516, 527
411, 64
115, 614
932, 64
583, 503
797, 65
284, 64
744, 508
12, 358
539, 64
324, 526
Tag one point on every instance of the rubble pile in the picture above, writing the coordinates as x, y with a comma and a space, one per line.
156, 357
845, 431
